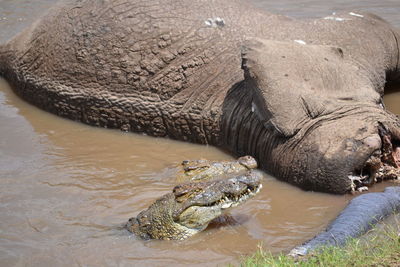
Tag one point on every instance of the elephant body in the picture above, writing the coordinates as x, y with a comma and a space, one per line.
189, 70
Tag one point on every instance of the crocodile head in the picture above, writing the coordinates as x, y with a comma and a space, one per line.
190, 207
206, 169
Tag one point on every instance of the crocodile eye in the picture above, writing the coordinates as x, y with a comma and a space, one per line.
181, 198
144, 221
179, 191
179, 194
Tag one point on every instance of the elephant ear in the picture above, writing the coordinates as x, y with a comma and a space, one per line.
293, 82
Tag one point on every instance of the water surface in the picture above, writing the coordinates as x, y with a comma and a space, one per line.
66, 188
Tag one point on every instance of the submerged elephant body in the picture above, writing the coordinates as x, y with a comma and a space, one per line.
303, 96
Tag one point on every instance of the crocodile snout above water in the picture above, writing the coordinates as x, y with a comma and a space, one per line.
190, 207
206, 169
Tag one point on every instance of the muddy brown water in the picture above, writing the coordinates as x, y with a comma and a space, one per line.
392, 98
66, 188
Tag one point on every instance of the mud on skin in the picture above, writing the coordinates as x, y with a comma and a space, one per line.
311, 112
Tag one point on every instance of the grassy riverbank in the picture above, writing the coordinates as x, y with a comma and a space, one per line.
381, 247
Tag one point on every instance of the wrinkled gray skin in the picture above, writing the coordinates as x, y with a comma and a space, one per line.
362, 213
308, 113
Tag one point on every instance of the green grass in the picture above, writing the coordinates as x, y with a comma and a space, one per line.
381, 247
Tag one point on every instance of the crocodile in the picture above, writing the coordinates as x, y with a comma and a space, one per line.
190, 207
207, 169
302, 96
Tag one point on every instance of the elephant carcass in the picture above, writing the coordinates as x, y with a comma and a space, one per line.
173, 69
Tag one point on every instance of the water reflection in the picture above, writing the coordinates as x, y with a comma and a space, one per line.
67, 188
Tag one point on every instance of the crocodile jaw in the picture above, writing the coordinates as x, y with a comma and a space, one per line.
197, 217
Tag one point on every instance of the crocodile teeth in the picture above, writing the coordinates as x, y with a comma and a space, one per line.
259, 188
226, 205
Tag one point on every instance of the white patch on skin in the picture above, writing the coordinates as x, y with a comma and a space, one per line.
253, 107
300, 42
215, 22
219, 21
336, 18
356, 15
209, 22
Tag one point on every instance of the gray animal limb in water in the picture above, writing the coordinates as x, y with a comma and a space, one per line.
362, 213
